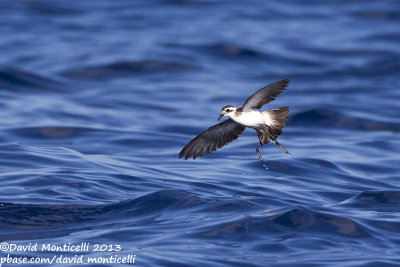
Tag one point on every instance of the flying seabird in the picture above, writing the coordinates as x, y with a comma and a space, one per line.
268, 124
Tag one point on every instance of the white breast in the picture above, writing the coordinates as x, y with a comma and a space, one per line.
252, 118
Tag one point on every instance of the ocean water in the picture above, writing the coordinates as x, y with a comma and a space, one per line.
97, 98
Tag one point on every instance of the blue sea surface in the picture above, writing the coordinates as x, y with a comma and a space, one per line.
97, 98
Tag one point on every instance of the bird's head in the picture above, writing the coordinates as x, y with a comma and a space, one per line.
227, 111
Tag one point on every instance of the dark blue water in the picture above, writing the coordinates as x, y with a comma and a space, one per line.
98, 97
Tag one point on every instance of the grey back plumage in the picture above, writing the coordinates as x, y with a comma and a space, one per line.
265, 95
213, 138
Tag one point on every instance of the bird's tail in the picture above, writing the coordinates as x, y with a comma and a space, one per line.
278, 118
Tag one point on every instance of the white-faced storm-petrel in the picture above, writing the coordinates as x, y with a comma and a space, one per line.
268, 124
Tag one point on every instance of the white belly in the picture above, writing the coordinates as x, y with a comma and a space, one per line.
252, 118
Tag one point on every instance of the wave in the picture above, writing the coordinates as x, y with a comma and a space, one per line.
48, 216
50, 131
295, 220
333, 119
125, 68
16, 80
240, 53
375, 199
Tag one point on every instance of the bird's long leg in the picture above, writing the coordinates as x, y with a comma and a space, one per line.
258, 152
284, 149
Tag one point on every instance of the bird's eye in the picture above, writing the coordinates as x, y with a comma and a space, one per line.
228, 110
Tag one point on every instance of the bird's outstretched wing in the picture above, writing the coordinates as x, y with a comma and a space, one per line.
265, 95
210, 140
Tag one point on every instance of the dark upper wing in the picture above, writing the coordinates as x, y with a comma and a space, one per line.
212, 139
265, 95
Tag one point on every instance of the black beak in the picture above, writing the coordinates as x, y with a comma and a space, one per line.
220, 116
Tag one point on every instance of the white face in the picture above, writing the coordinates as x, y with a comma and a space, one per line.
228, 111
